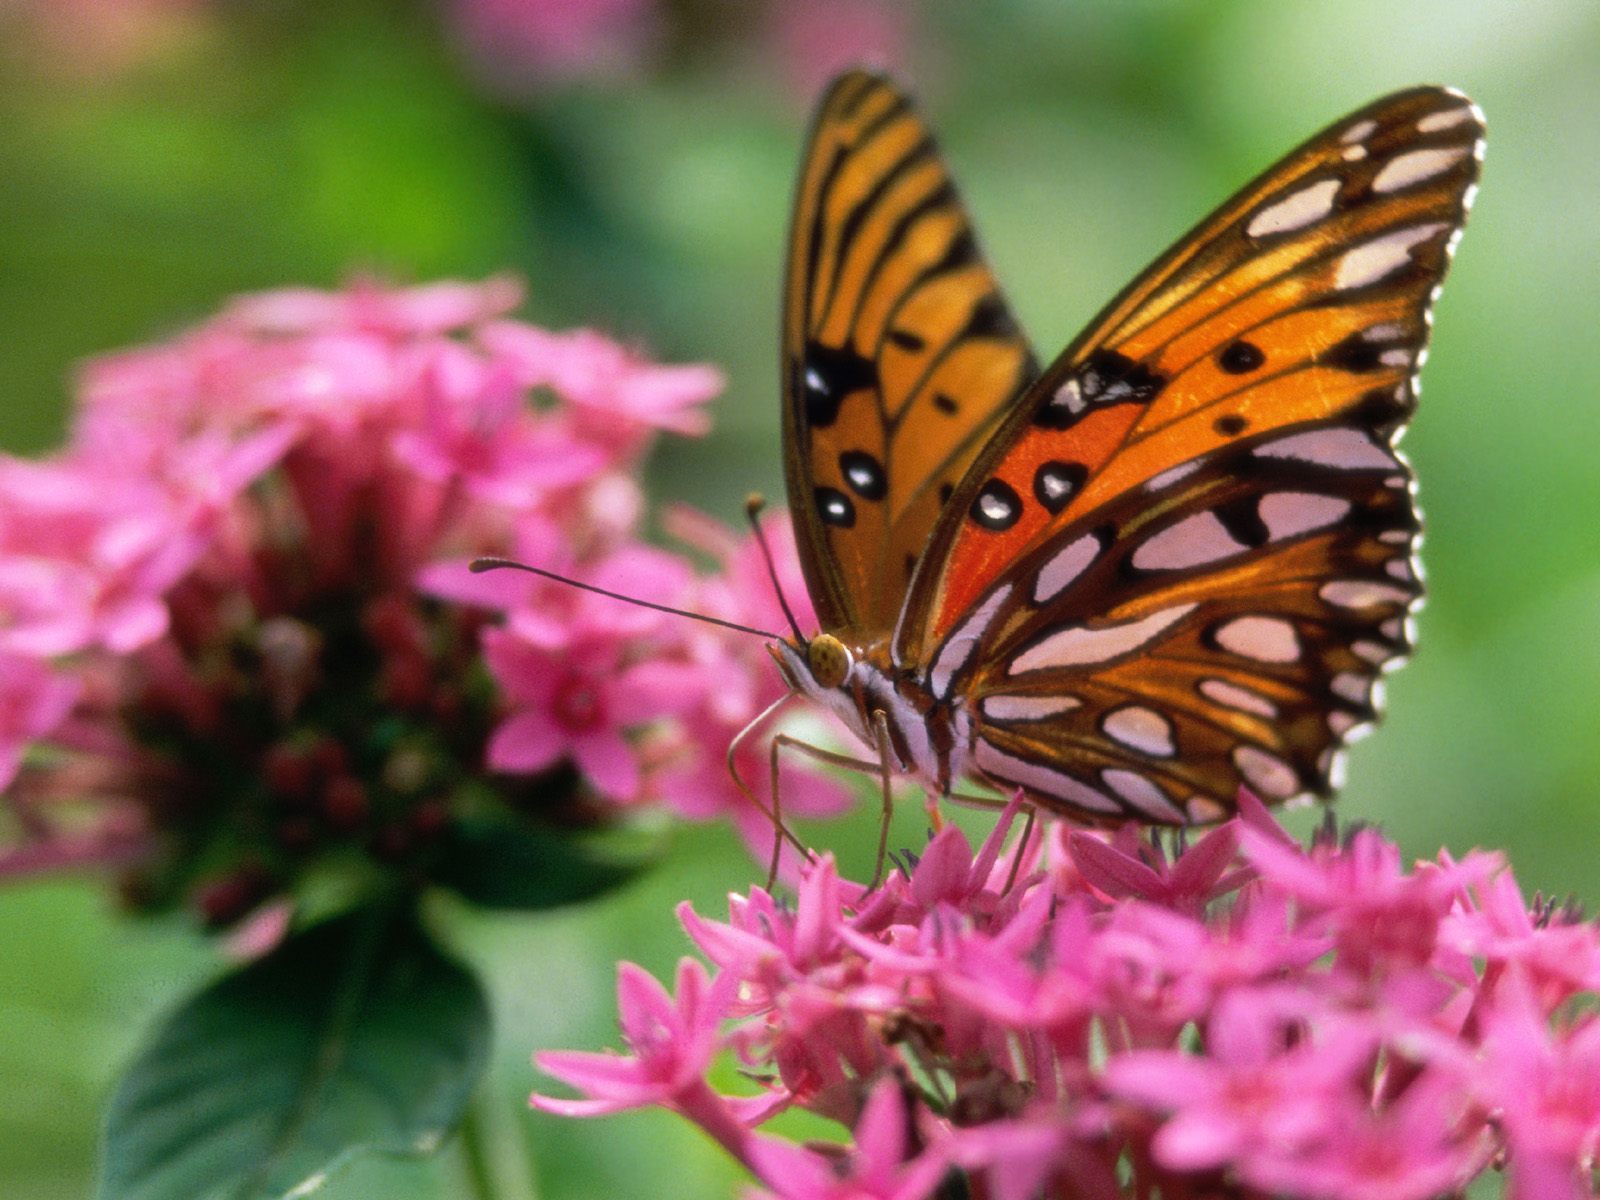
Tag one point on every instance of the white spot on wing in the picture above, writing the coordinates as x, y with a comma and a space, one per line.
1078, 644
1201, 538
1448, 119
1003, 707
1064, 567
1241, 699
1070, 396
1143, 794
1359, 132
1296, 210
1351, 686
1266, 773
1288, 514
1142, 729
1341, 447
1203, 810
1264, 639
1008, 768
963, 641
1375, 653
1375, 259
1362, 593
1411, 168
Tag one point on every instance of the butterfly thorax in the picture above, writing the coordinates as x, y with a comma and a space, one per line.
928, 738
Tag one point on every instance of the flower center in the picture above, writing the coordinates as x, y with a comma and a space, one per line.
578, 705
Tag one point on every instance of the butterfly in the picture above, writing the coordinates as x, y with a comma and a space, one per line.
1170, 564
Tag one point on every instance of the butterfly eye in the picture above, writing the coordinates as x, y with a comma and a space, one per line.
829, 660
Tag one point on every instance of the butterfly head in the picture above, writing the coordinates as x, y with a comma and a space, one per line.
817, 664
829, 660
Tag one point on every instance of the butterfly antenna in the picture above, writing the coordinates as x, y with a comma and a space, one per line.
479, 565
753, 505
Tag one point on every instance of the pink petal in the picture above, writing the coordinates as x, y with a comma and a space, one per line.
608, 762
526, 742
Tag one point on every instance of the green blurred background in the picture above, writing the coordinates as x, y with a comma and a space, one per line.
156, 156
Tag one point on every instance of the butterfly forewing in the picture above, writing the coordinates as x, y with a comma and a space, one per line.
899, 355
1180, 562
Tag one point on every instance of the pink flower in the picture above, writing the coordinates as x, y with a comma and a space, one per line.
477, 433
369, 306
1256, 1086
34, 700
879, 1165
694, 780
1218, 1024
220, 600
1422, 1146
817, 39
1544, 1087
578, 679
614, 392
670, 1039
1194, 878
1380, 914
517, 41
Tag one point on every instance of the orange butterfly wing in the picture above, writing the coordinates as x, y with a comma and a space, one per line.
899, 354
1183, 558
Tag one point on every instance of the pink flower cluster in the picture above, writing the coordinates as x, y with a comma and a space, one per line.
226, 638
1084, 1016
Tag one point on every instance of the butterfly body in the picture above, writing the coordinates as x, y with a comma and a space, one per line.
928, 739
1175, 561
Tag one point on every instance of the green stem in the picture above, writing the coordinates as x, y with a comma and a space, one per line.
475, 1154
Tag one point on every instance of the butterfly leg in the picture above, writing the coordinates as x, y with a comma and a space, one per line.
780, 833
880, 731
969, 800
861, 765
1022, 846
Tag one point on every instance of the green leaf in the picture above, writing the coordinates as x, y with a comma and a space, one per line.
352, 1037
513, 864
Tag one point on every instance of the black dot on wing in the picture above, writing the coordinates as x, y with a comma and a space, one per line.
827, 374
1055, 483
1355, 353
864, 474
1383, 408
906, 340
1112, 378
835, 508
997, 506
945, 404
1230, 425
1242, 520
1240, 357
946, 490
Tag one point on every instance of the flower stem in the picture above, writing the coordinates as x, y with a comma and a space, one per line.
475, 1155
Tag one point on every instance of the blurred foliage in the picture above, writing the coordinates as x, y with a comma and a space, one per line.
279, 141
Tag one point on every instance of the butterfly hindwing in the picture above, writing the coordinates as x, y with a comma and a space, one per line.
899, 354
1180, 562
1226, 626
